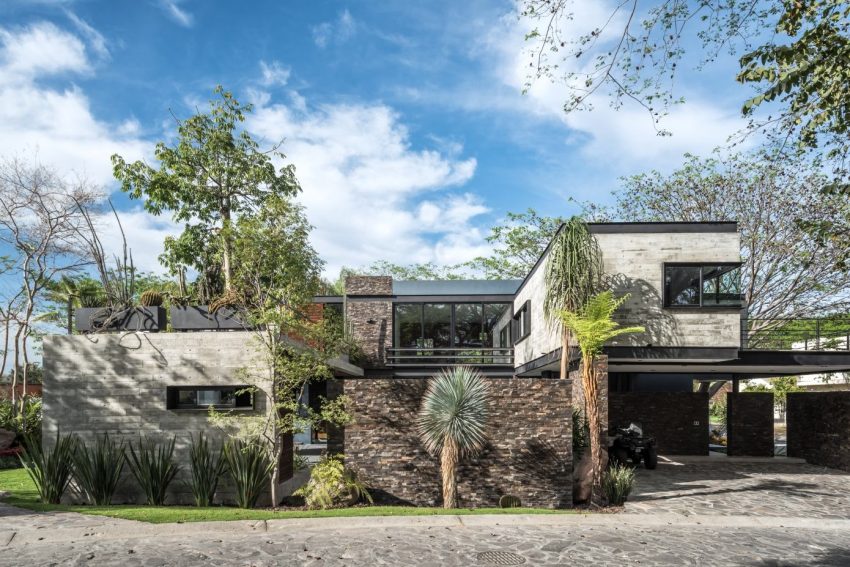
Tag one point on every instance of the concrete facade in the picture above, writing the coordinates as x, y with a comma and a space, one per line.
634, 264
116, 384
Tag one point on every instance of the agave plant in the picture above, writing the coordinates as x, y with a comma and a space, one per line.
154, 468
98, 469
250, 469
207, 468
51, 471
452, 421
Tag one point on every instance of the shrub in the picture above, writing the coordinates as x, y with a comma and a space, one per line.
332, 484
98, 470
50, 471
250, 469
28, 425
617, 483
207, 468
153, 466
717, 411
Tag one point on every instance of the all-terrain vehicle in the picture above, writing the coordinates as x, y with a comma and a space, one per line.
630, 444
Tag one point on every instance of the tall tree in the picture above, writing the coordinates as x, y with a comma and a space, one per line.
593, 326
786, 273
215, 173
573, 275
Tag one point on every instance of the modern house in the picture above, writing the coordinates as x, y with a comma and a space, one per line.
683, 281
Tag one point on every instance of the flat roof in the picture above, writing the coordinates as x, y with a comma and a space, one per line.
662, 226
456, 287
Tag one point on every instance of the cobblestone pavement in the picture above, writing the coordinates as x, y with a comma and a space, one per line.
736, 488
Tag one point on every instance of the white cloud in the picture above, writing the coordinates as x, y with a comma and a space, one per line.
338, 31
95, 39
274, 73
41, 49
370, 194
175, 12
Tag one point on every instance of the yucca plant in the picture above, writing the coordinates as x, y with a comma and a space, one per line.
97, 470
207, 468
593, 326
250, 468
154, 468
51, 471
452, 421
617, 483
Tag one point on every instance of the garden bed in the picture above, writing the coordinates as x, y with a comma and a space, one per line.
92, 319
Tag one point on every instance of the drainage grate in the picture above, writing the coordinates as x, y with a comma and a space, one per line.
501, 558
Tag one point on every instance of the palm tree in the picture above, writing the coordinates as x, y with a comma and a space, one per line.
452, 420
593, 326
573, 274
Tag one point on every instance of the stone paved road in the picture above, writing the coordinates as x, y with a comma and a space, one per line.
774, 489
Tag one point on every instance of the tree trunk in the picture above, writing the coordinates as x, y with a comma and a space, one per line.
565, 354
448, 468
16, 361
591, 397
225, 250
70, 315
276, 454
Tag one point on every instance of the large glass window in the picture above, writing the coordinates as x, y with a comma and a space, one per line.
450, 325
693, 285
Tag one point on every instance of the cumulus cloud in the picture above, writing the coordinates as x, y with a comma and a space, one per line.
175, 12
369, 192
338, 31
274, 73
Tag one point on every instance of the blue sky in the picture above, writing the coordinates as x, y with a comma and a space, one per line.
405, 120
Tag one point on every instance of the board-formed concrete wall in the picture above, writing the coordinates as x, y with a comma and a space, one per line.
635, 264
116, 384
529, 453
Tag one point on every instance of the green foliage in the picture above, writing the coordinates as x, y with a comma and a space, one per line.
150, 298
617, 483
50, 471
97, 470
250, 468
717, 411
213, 175
26, 425
509, 501
153, 466
593, 324
332, 485
574, 269
581, 433
454, 409
208, 466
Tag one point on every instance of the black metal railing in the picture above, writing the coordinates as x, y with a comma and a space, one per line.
427, 356
796, 334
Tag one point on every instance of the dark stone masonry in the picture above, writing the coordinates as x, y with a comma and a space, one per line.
677, 420
529, 454
819, 428
369, 315
749, 424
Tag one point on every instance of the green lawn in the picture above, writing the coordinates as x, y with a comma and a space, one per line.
22, 493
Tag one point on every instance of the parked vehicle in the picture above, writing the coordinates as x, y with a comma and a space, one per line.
630, 444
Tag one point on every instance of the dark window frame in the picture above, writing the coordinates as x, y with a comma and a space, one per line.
452, 328
245, 404
521, 323
701, 306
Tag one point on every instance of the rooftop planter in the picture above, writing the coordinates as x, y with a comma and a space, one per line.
93, 319
199, 318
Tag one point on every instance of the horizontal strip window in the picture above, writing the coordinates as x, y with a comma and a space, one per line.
521, 323
708, 286
206, 397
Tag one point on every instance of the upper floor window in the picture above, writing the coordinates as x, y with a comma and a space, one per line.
522, 322
702, 285
450, 325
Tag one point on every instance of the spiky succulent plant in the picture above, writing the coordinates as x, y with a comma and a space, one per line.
452, 422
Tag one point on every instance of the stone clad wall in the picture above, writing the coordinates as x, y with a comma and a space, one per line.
116, 384
749, 424
677, 420
819, 428
529, 454
364, 304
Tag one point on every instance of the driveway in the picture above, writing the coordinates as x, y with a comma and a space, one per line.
717, 486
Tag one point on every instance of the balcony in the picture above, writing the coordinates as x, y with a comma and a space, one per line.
796, 334
478, 356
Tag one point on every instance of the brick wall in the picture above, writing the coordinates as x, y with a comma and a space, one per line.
749, 424
529, 452
369, 318
819, 428
677, 420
